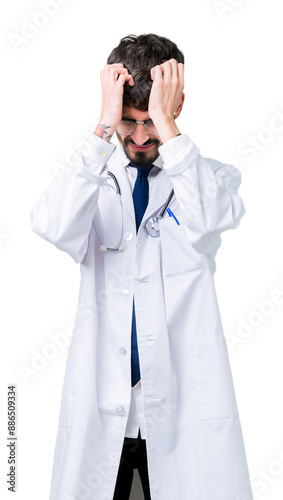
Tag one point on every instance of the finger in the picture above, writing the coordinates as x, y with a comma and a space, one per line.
181, 72
128, 77
156, 73
114, 73
121, 80
115, 65
104, 74
174, 68
130, 80
110, 67
167, 70
181, 68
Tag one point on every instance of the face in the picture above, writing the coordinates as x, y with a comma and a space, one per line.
140, 148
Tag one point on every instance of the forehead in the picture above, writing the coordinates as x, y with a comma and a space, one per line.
135, 114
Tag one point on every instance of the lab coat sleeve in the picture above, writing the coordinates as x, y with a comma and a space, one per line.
65, 211
206, 191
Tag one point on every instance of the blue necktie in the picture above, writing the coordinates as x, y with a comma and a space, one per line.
140, 199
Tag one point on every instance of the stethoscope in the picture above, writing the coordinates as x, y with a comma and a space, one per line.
152, 224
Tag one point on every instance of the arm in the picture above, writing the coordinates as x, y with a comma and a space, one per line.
205, 189
64, 214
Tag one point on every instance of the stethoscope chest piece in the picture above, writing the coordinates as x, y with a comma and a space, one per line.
152, 226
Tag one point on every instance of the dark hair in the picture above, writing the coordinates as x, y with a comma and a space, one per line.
139, 54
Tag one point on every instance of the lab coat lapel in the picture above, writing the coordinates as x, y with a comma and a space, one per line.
160, 188
116, 164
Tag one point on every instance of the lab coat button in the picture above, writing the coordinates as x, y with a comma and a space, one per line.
123, 351
175, 149
128, 236
125, 293
120, 410
103, 153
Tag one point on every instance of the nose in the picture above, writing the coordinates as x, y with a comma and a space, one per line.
140, 136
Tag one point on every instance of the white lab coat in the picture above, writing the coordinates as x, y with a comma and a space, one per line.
194, 440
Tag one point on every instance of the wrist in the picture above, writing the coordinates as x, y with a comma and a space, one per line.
105, 130
166, 128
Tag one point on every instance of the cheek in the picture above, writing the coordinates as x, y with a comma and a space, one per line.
119, 138
126, 141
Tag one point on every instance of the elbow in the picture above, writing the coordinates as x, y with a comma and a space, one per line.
71, 245
207, 243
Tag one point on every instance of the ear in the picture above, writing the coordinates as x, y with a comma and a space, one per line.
180, 107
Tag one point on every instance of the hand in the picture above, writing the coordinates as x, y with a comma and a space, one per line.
113, 78
166, 96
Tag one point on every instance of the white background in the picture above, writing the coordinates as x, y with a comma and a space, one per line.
50, 101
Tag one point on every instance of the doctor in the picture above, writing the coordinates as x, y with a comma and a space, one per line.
148, 382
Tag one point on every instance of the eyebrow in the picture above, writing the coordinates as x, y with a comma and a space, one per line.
132, 120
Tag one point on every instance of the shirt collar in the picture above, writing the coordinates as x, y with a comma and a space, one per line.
158, 162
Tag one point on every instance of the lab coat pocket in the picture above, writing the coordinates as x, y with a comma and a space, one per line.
73, 371
178, 256
213, 379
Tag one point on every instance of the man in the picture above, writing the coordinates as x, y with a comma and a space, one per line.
148, 383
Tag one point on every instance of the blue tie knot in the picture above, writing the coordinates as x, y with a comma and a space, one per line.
142, 172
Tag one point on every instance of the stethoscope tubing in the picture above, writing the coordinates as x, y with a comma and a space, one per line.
166, 204
103, 247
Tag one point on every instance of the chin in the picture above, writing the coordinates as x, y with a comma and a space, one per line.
140, 159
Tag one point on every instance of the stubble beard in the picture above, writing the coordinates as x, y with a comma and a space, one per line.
140, 159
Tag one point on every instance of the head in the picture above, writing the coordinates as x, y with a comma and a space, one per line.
139, 54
